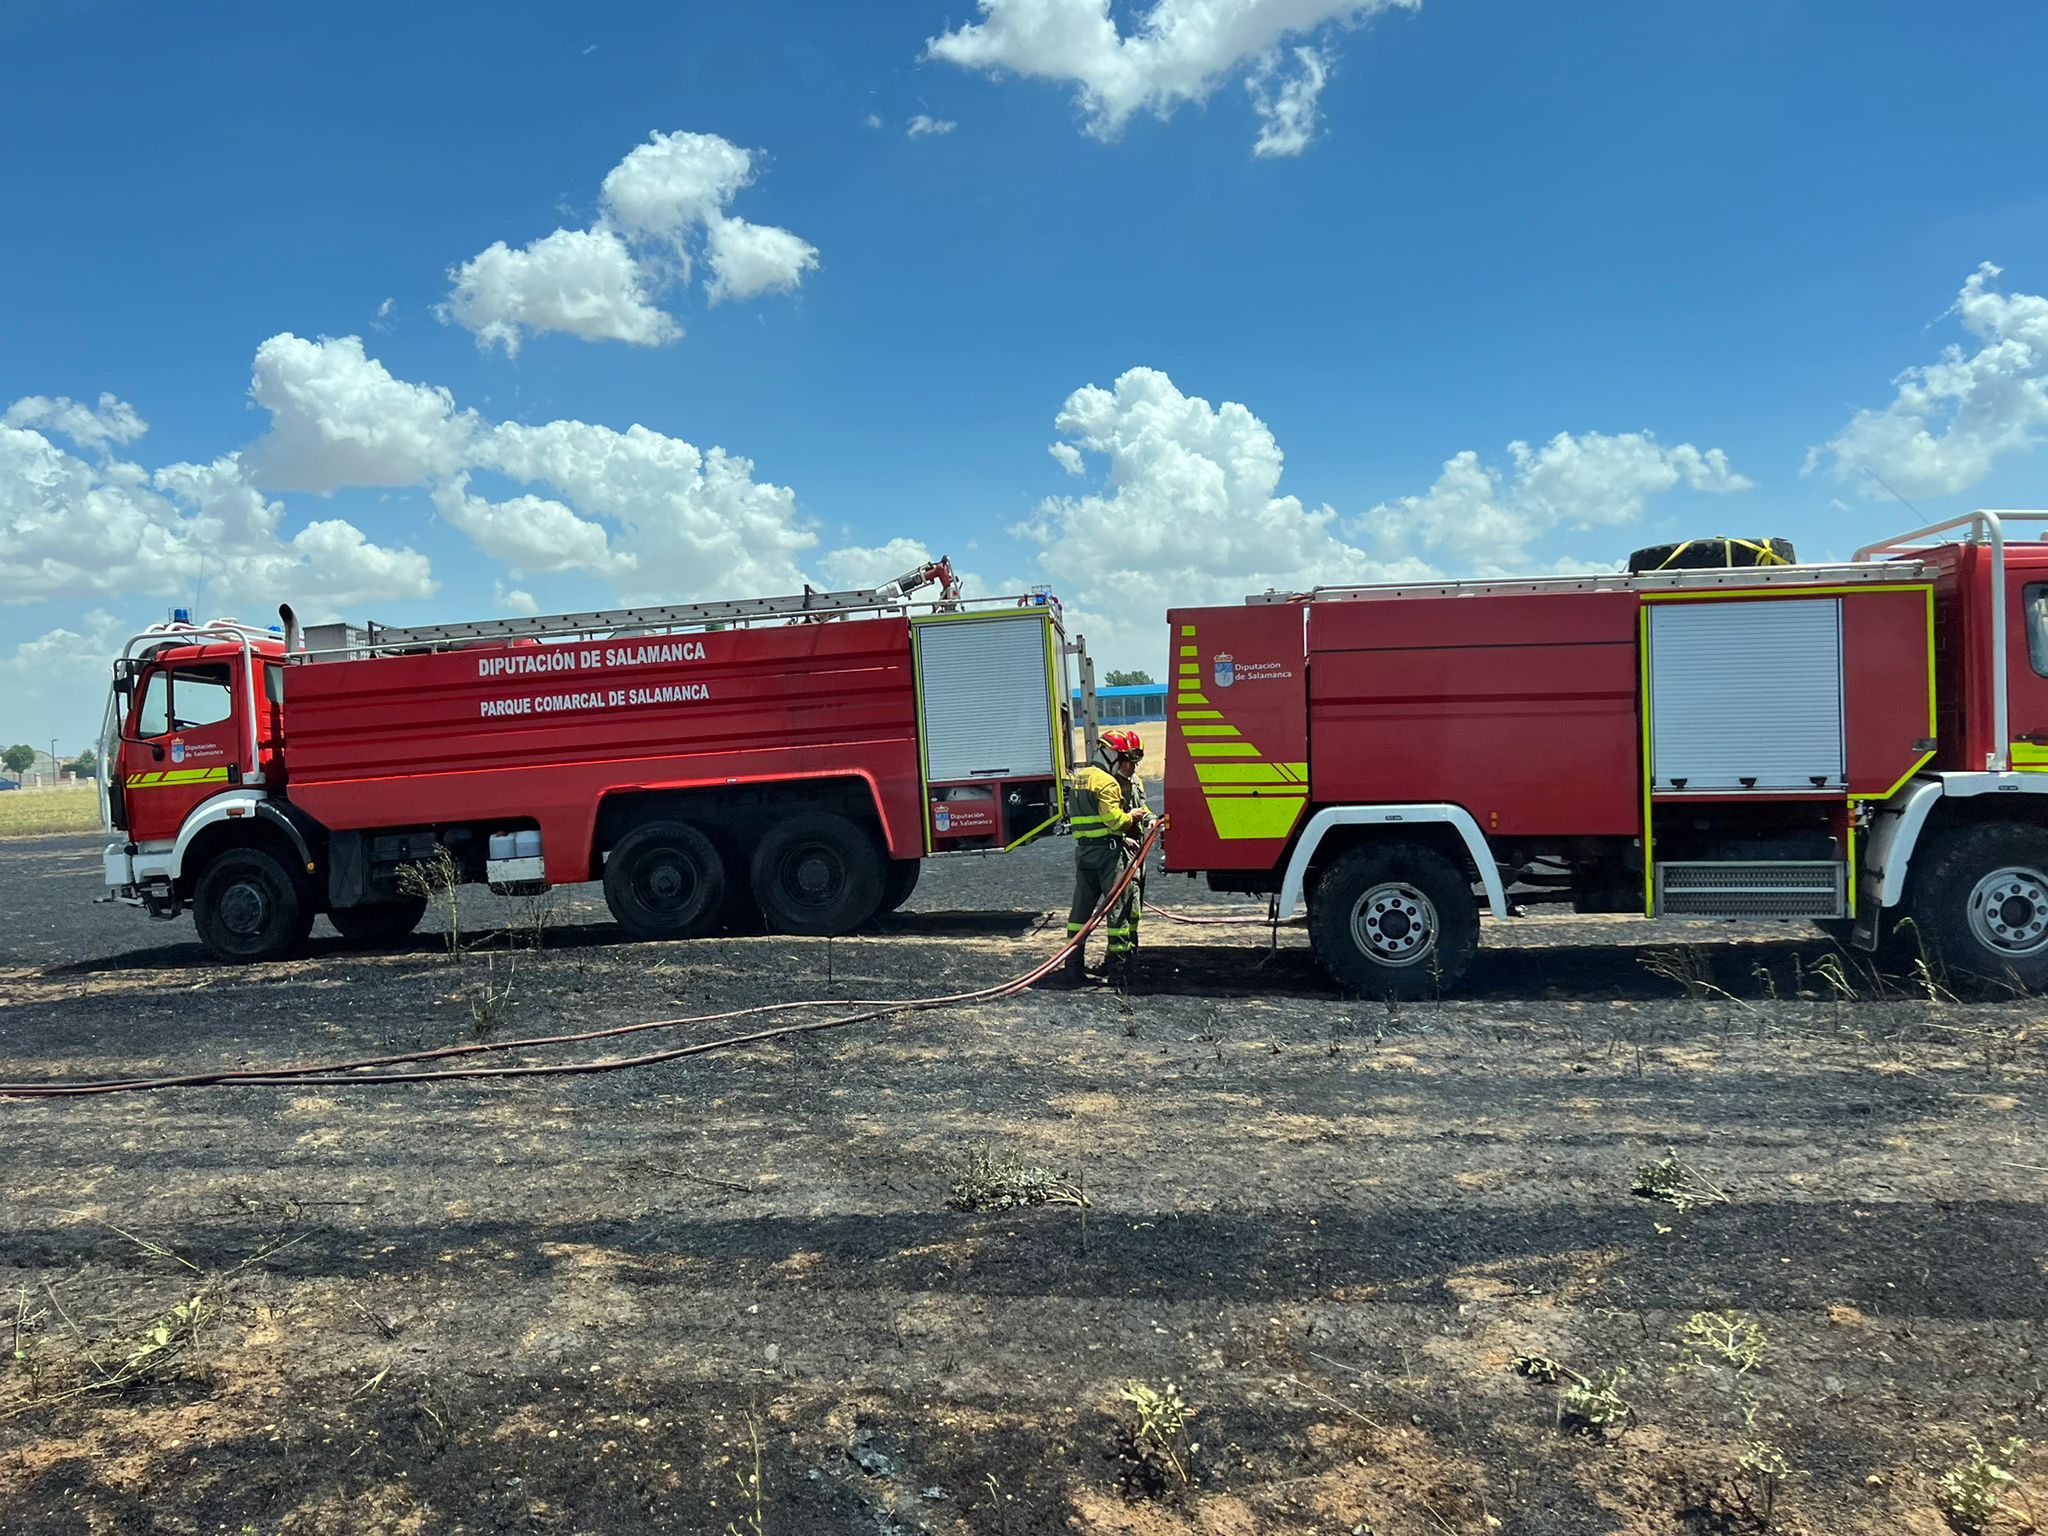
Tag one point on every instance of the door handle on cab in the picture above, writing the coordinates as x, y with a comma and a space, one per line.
157, 753
2033, 738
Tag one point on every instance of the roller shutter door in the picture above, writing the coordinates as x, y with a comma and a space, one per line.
1746, 691
987, 712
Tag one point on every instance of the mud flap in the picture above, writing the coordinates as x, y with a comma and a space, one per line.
1863, 933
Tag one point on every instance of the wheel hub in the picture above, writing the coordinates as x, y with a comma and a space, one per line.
1395, 924
2009, 911
244, 908
665, 883
814, 876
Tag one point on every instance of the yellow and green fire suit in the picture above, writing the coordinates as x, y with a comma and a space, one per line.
1101, 823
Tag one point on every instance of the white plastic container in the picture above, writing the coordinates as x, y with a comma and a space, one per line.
502, 845
526, 845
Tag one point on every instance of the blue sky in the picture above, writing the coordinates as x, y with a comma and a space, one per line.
1699, 242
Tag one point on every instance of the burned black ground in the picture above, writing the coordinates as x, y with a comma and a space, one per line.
572, 1304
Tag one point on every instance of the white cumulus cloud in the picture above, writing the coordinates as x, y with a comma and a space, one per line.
662, 518
675, 181
748, 260
660, 207
1191, 510
111, 421
581, 282
339, 418
72, 529
1951, 420
513, 600
1485, 518
1191, 513
925, 126
1176, 52
695, 522
529, 533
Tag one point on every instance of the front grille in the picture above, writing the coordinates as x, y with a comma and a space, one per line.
1762, 890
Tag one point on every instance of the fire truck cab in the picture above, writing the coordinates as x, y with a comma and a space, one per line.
1862, 744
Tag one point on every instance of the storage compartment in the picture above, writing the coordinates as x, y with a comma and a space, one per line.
1746, 695
985, 689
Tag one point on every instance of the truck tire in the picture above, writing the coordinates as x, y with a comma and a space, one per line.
899, 882
1394, 920
248, 907
1978, 901
665, 880
383, 922
818, 874
1718, 553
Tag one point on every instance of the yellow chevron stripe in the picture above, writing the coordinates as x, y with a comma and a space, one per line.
1210, 730
1242, 818
1222, 749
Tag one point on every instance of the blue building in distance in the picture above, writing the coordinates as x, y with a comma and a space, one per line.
1127, 705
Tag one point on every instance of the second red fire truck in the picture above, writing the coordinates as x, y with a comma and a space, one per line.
1863, 744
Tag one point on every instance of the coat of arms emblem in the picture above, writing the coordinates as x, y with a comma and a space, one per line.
1226, 669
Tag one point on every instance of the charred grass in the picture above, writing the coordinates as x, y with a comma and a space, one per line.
846, 1284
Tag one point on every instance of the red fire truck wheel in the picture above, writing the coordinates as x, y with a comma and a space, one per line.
1979, 898
818, 874
1394, 920
665, 880
248, 907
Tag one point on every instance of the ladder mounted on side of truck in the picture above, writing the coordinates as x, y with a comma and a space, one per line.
340, 641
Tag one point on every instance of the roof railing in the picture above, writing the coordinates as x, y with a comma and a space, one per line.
1591, 581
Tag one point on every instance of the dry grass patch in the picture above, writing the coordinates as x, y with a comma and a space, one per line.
41, 812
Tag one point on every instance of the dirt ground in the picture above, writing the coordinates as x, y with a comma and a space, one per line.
578, 1304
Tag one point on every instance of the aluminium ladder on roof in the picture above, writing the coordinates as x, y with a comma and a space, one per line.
385, 637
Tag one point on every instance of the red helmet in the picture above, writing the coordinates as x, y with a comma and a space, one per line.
1122, 743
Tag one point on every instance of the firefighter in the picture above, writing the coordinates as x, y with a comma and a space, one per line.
1101, 824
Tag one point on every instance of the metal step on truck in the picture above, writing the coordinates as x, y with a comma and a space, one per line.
787, 759
1863, 744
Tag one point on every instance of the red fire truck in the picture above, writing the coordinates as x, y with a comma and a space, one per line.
794, 757
1859, 744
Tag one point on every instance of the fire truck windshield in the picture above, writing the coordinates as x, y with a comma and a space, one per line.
184, 699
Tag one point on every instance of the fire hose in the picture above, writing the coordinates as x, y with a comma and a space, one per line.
350, 1074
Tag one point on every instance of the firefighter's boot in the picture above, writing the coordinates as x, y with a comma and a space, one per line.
1073, 974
